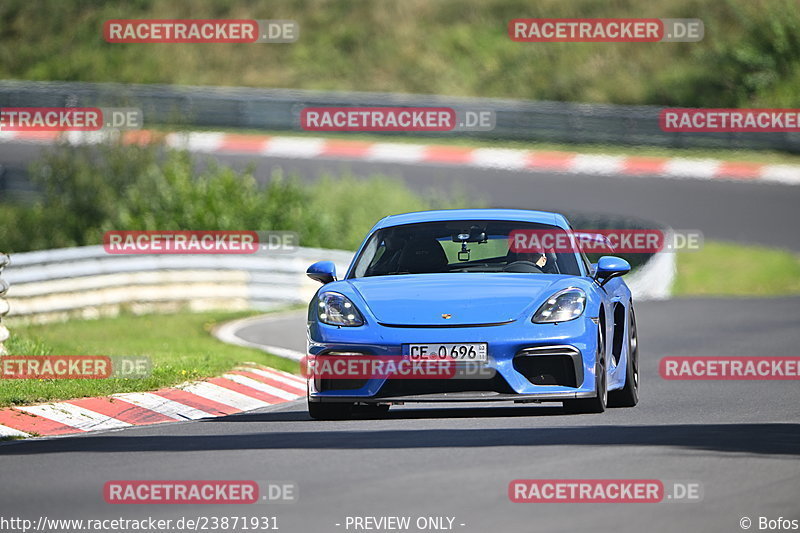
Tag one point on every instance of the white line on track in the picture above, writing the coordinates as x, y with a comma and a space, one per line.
500, 158
396, 152
263, 387
288, 379
781, 173
74, 416
227, 333
196, 141
691, 168
597, 164
225, 396
293, 147
164, 406
6, 431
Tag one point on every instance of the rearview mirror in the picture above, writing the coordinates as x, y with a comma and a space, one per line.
322, 271
609, 267
477, 236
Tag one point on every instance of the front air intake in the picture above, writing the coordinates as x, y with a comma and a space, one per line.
550, 365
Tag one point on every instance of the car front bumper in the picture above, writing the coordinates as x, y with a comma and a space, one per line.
507, 343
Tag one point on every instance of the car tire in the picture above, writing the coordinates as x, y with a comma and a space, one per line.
628, 396
330, 411
598, 403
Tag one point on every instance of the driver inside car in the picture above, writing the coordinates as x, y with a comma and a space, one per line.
537, 258
526, 262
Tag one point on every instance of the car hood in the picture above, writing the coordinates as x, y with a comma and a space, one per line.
469, 298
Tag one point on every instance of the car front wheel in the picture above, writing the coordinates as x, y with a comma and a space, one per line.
628, 396
598, 403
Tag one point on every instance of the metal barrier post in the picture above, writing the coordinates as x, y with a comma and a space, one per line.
4, 307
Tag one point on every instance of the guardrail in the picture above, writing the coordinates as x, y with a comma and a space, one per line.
4, 308
279, 109
87, 282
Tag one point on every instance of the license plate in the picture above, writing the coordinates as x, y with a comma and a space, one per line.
471, 351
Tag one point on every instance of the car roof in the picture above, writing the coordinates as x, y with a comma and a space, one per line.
516, 215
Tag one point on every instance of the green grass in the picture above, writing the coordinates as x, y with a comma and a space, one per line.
723, 269
749, 57
180, 347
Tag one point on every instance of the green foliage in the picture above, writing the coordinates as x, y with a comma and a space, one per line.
708, 272
748, 58
757, 65
19, 345
88, 190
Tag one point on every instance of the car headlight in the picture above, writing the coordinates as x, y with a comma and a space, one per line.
563, 306
337, 310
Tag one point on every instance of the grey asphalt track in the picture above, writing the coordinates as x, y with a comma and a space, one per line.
739, 211
740, 440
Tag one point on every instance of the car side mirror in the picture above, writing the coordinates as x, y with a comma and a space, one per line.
322, 271
609, 267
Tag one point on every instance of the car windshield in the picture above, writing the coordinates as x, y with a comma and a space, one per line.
458, 246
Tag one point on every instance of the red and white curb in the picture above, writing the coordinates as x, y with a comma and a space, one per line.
243, 389
501, 158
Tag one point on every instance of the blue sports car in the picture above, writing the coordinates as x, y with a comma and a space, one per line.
522, 324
